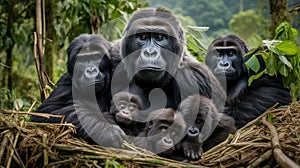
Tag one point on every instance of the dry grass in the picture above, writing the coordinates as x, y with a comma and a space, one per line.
260, 143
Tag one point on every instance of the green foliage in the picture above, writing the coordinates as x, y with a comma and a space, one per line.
113, 30
72, 17
244, 23
197, 42
281, 56
75, 17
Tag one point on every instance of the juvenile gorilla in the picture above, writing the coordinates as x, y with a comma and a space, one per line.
84, 91
125, 108
209, 129
244, 103
164, 130
155, 57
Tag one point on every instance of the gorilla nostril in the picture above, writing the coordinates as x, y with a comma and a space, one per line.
91, 72
224, 65
167, 140
149, 52
193, 131
125, 112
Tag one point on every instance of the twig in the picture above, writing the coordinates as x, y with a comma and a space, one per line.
15, 152
280, 157
46, 115
45, 149
4, 144
261, 159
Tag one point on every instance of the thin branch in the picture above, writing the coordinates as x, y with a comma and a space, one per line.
280, 157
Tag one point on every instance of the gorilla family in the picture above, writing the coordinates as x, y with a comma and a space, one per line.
147, 89
244, 103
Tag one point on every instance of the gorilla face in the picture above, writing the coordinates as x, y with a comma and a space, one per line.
125, 107
154, 45
225, 56
89, 62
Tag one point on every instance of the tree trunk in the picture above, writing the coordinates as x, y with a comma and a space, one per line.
279, 13
50, 48
7, 71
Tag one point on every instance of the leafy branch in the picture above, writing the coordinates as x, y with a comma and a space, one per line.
281, 57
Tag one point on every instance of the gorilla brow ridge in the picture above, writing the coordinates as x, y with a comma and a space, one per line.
158, 13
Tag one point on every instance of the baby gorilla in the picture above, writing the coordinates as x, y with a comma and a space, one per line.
207, 130
162, 133
124, 109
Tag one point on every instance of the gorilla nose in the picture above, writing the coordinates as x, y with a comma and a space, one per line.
168, 140
91, 72
224, 65
125, 112
193, 131
150, 52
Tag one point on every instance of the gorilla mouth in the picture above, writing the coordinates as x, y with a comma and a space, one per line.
95, 82
224, 71
151, 68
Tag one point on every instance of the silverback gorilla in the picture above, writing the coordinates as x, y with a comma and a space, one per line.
244, 103
89, 73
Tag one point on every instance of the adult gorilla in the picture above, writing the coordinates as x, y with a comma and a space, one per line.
244, 103
157, 67
84, 91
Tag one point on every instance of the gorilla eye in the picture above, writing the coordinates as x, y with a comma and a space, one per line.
143, 36
198, 121
230, 53
122, 105
163, 128
159, 37
131, 109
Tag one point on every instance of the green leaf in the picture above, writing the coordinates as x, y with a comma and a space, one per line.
253, 77
288, 47
271, 65
253, 64
284, 60
283, 70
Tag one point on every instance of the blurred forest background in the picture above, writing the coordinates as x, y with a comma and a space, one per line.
65, 19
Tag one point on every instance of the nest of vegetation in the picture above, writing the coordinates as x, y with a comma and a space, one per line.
273, 140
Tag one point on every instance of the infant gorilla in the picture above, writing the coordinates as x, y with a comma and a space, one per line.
164, 130
124, 110
207, 130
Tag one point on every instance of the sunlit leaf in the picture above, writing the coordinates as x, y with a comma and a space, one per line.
288, 47
284, 60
